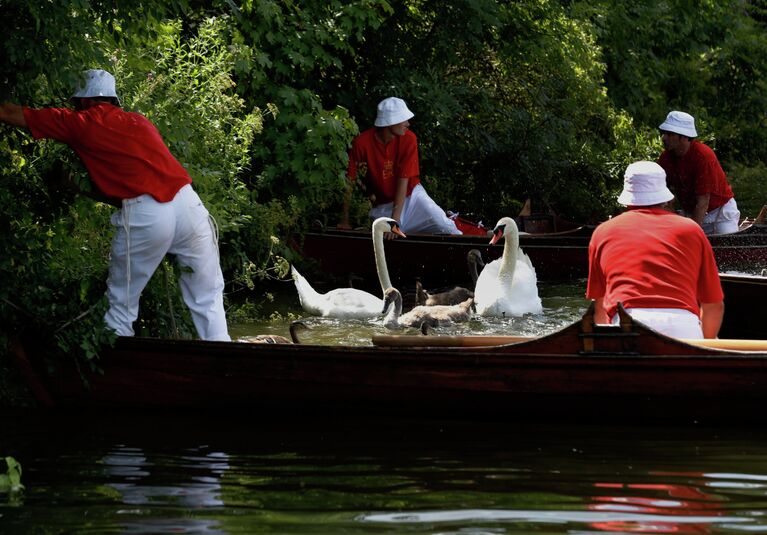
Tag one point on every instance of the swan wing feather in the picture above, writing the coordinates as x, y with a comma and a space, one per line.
338, 303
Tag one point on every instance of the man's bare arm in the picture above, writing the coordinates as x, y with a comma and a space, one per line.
399, 198
701, 207
12, 114
398, 204
344, 223
600, 314
711, 315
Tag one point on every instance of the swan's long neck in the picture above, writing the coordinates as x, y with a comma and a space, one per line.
474, 260
509, 258
308, 296
380, 256
391, 320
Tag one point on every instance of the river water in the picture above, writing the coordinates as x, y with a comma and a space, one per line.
238, 473
227, 474
563, 303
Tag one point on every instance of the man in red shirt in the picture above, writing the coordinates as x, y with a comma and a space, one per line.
695, 175
160, 213
386, 157
658, 264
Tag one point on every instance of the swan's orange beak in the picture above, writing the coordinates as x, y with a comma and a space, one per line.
497, 234
395, 229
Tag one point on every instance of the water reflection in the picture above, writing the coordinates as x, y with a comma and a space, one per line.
241, 474
611, 507
613, 522
139, 482
131, 476
667, 499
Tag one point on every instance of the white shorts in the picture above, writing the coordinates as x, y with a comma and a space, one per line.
722, 220
674, 322
419, 214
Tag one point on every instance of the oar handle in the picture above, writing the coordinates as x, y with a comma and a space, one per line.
389, 340
728, 343
403, 340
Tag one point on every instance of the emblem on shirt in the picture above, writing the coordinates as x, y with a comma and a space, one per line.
388, 170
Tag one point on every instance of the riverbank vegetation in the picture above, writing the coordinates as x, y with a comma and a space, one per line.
259, 99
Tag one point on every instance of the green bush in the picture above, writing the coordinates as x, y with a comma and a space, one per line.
748, 182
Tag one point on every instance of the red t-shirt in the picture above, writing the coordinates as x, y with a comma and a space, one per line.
123, 151
383, 165
652, 258
696, 173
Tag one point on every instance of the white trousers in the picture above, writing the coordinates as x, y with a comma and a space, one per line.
722, 220
145, 230
675, 322
419, 214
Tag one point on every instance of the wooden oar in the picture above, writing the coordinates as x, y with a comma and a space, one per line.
389, 340
728, 343
397, 340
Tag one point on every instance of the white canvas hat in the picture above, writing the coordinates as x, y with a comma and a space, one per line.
391, 111
679, 122
644, 184
98, 83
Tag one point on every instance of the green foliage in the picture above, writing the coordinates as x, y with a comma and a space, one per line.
189, 95
657, 51
748, 180
735, 95
55, 255
10, 482
46, 45
300, 54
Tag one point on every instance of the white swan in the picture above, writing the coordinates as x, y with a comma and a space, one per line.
422, 316
350, 302
508, 285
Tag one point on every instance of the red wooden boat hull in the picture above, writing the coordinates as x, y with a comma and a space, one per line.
438, 260
441, 260
584, 371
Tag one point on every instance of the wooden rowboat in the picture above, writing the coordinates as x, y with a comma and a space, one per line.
437, 259
440, 260
584, 371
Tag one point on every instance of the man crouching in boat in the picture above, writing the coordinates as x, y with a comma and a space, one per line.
694, 173
658, 264
386, 157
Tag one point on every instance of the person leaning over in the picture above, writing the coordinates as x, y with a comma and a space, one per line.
386, 157
159, 213
658, 264
696, 177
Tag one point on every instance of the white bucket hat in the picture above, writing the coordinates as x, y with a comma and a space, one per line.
98, 83
644, 184
679, 122
391, 111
